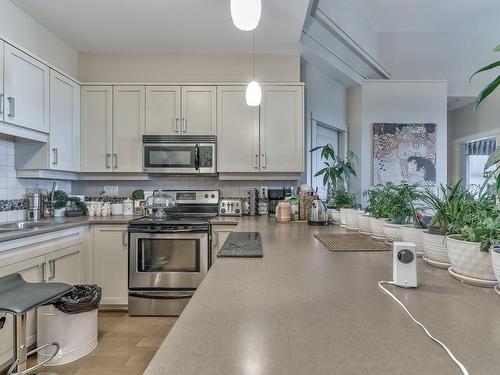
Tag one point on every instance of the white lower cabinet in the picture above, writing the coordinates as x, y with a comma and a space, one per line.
219, 236
110, 243
64, 266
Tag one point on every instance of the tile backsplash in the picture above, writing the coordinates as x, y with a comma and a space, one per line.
13, 189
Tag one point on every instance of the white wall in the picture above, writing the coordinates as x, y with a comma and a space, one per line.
451, 56
186, 67
325, 101
20, 28
395, 102
467, 125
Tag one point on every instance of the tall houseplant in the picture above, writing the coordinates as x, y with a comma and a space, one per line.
336, 172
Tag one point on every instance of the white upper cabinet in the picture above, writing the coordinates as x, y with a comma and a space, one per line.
64, 123
198, 110
26, 90
2, 96
281, 129
237, 131
163, 110
96, 128
128, 128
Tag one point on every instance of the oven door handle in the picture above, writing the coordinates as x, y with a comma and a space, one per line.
145, 230
179, 294
197, 157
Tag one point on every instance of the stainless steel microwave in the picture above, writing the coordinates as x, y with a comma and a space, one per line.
180, 154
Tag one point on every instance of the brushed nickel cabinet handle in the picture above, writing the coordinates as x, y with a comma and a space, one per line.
184, 126
1, 104
263, 160
107, 161
12, 107
55, 156
256, 161
115, 158
176, 129
52, 269
124, 238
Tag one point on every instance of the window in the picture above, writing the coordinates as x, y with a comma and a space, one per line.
477, 153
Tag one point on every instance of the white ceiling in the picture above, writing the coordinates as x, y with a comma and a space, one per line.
166, 25
431, 15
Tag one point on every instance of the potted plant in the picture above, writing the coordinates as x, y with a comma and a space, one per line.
335, 174
348, 209
468, 250
75, 207
379, 209
413, 233
401, 198
59, 203
447, 219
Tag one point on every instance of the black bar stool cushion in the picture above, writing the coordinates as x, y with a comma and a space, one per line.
18, 297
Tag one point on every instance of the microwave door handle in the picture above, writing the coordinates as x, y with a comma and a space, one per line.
197, 157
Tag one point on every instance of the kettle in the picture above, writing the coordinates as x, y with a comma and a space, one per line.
318, 213
284, 212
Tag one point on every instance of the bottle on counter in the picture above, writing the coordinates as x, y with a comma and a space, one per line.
294, 202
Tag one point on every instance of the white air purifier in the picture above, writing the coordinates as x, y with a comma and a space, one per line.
404, 264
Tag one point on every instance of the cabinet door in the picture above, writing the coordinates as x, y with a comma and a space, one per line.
96, 128
65, 265
163, 110
128, 128
2, 97
219, 236
111, 263
32, 271
281, 129
26, 89
237, 131
64, 123
198, 110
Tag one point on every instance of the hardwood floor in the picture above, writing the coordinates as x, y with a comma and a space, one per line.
126, 345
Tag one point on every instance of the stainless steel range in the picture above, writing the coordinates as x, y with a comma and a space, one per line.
169, 256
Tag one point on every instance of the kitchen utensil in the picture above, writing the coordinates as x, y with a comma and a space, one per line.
34, 206
317, 213
284, 212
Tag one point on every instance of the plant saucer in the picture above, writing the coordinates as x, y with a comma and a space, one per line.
473, 280
435, 263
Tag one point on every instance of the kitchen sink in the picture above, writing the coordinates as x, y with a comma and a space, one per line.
22, 225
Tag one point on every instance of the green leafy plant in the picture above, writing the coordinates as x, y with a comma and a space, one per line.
345, 200
138, 195
60, 199
493, 160
76, 204
485, 230
492, 85
337, 171
402, 200
379, 200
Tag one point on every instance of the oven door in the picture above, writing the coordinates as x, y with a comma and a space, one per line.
167, 260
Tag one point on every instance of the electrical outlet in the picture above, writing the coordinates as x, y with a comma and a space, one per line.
111, 190
263, 192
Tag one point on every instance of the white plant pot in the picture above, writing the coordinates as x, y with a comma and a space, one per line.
377, 228
412, 234
392, 232
351, 218
495, 261
334, 215
467, 259
435, 247
343, 220
59, 212
364, 223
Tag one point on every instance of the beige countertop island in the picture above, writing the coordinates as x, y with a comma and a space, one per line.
304, 310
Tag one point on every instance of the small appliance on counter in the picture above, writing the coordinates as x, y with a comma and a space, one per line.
34, 206
275, 196
283, 212
317, 214
231, 207
253, 202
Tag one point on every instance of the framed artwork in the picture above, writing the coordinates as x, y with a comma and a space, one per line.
404, 153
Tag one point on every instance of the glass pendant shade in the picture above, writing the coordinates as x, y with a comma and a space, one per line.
253, 94
246, 13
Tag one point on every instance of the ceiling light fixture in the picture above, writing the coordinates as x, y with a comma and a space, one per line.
246, 13
253, 93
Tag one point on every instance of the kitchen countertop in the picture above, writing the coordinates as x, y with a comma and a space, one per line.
60, 223
304, 310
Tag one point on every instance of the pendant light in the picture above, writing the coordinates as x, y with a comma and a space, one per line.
246, 13
253, 93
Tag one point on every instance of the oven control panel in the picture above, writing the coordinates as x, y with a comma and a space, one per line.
231, 207
191, 196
